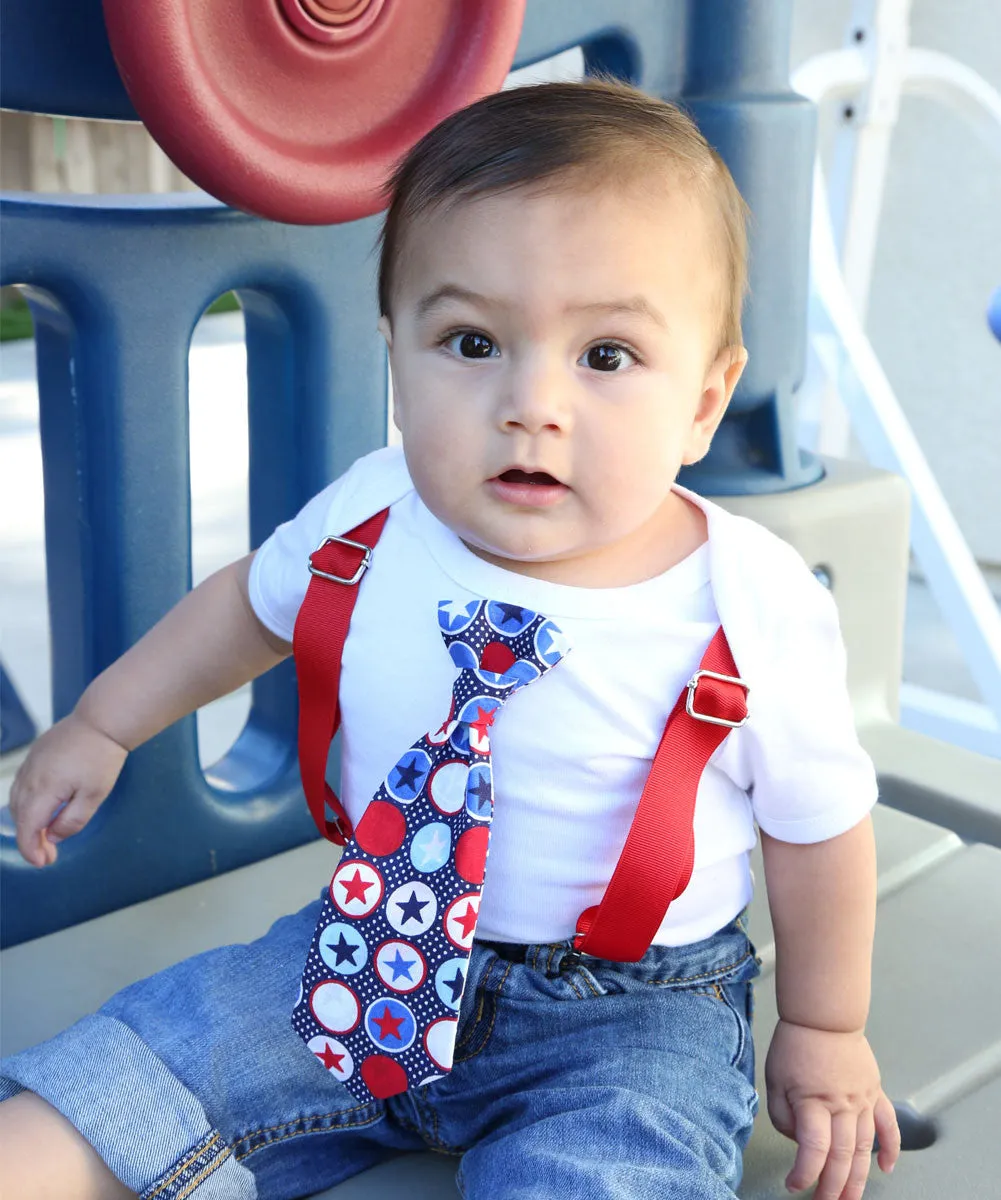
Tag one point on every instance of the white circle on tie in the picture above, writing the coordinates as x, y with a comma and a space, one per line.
400, 966
334, 1055
439, 1042
460, 919
356, 888
447, 785
335, 1006
412, 908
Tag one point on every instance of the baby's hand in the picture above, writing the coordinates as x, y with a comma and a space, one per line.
71, 768
824, 1092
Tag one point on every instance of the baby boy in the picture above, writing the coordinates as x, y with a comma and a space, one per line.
561, 283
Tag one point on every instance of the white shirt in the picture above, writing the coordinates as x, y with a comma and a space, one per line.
571, 751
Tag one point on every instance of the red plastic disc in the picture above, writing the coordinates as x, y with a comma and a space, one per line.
297, 110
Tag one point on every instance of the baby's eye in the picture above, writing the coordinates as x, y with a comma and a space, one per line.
608, 357
469, 344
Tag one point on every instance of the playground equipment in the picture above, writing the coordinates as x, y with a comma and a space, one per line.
869, 75
229, 851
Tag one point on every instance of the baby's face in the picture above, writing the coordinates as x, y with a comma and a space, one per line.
553, 365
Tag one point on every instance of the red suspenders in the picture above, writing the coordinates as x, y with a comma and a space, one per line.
656, 860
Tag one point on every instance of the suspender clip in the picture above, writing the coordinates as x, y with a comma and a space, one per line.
363, 566
710, 718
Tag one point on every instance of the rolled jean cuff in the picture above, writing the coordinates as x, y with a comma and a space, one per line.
161, 1144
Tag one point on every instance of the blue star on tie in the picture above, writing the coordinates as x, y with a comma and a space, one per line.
455, 985
511, 614
407, 774
343, 950
412, 908
481, 790
401, 966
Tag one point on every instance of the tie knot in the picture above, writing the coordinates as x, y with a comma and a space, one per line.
498, 648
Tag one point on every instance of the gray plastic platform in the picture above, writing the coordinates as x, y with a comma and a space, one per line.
935, 1014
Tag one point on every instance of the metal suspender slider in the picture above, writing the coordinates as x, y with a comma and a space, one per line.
366, 559
693, 685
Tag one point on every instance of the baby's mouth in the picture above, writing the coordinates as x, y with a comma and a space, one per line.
537, 478
527, 489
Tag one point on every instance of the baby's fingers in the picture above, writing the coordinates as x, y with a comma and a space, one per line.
813, 1141
862, 1161
32, 810
888, 1133
840, 1156
75, 815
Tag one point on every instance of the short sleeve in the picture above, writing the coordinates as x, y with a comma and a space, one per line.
811, 779
279, 574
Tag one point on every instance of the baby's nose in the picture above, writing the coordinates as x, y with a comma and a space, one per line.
537, 398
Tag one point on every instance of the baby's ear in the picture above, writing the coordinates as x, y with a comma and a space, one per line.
386, 330
720, 381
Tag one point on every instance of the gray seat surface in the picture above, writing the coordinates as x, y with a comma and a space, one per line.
934, 1020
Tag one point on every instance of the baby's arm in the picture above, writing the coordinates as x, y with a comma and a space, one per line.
822, 1079
207, 645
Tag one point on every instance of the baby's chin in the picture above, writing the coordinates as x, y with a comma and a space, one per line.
551, 564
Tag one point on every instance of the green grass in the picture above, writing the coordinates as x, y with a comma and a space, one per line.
16, 322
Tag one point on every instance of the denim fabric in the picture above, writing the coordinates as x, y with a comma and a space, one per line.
593, 1078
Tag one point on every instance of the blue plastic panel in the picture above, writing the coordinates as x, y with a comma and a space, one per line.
116, 291
55, 58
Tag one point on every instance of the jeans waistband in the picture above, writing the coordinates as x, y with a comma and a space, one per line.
718, 955
515, 952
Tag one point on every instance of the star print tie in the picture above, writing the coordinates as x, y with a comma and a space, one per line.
387, 966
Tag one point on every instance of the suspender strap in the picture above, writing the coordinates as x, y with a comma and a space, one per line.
321, 629
656, 861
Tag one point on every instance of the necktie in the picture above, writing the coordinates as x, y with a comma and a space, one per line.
386, 969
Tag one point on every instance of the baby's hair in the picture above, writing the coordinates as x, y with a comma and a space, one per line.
575, 134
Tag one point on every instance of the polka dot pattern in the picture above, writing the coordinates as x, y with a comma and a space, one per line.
398, 922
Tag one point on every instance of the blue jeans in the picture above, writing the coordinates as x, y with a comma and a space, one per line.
594, 1079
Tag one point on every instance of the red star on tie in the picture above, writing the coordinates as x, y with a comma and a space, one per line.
388, 1026
448, 720
355, 887
330, 1059
483, 721
467, 921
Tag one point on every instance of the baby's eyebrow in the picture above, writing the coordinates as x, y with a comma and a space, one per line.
449, 291
635, 305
